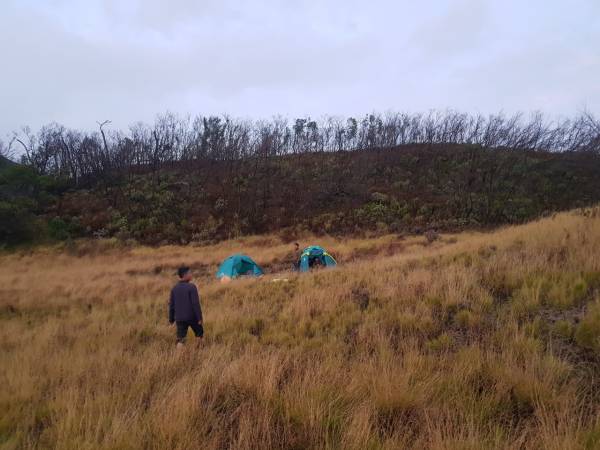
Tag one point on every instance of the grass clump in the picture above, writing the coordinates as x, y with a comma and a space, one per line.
564, 329
440, 343
587, 334
567, 291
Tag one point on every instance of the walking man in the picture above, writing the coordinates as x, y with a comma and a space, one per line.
184, 307
295, 256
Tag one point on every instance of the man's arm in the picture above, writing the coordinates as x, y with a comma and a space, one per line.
171, 308
195, 299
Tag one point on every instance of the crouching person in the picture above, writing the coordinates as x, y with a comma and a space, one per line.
184, 307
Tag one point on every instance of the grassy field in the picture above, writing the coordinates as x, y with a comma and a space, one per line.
475, 340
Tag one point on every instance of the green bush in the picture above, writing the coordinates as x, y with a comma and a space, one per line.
58, 229
16, 222
23, 195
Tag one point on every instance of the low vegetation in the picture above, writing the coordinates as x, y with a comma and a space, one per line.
472, 340
205, 179
409, 189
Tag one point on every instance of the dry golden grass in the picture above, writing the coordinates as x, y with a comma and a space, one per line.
473, 341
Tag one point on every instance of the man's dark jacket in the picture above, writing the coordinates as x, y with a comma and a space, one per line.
184, 304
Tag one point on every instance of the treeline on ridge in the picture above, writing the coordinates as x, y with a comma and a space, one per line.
181, 179
83, 156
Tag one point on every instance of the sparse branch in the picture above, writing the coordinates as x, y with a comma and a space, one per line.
101, 125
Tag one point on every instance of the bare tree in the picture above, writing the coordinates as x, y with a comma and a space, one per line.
84, 157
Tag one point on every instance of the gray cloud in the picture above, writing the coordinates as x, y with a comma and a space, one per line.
78, 62
458, 29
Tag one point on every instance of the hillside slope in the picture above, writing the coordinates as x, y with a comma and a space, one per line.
5, 162
403, 189
476, 340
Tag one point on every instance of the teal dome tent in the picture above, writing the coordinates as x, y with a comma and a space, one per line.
237, 265
315, 256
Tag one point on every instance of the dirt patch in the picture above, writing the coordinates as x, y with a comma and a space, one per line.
394, 247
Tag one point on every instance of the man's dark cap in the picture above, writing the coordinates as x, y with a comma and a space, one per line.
182, 271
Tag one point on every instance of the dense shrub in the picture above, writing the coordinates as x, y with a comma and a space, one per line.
405, 189
24, 196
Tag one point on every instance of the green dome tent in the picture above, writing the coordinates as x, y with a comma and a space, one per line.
237, 265
315, 255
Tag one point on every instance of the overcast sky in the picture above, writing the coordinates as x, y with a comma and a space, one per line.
77, 62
